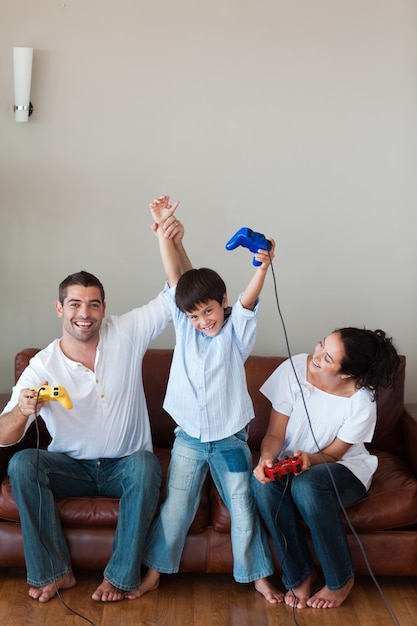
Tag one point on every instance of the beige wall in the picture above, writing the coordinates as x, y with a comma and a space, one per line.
297, 119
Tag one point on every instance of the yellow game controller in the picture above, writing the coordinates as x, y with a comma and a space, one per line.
59, 393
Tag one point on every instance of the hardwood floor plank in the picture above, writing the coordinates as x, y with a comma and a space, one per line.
202, 600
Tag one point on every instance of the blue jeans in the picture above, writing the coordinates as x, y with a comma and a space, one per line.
230, 464
310, 496
37, 477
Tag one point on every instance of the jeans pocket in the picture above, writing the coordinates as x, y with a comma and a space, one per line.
177, 431
243, 434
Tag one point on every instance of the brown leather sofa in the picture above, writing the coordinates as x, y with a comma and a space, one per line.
385, 520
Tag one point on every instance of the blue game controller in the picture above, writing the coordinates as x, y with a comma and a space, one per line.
249, 239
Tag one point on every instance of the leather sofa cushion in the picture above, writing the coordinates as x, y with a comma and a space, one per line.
390, 409
390, 502
91, 512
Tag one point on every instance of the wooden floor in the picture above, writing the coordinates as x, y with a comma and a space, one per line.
203, 600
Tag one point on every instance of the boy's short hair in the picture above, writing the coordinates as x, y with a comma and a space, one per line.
199, 286
80, 278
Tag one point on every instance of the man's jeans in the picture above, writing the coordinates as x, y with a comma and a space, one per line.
38, 476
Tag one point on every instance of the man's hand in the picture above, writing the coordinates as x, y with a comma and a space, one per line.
161, 209
163, 215
28, 401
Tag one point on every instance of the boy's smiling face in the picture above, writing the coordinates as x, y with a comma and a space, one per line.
208, 317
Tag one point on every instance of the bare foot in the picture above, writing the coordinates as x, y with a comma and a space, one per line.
107, 592
43, 594
297, 597
149, 583
328, 599
269, 592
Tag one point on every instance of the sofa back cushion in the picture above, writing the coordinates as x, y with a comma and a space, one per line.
388, 434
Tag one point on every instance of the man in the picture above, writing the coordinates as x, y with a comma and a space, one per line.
103, 445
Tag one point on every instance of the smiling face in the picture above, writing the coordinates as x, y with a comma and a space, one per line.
208, 317
82, 312
328, 356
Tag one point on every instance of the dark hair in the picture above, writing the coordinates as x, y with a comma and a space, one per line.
79, 278
199, 285
370, 358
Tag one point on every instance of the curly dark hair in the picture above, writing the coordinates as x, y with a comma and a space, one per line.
370, 358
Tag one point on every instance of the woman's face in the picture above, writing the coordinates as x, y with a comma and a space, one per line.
328, 356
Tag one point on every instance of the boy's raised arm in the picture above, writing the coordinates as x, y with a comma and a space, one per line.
170, 233
253, 289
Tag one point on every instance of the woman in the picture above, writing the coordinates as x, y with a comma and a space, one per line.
323, 410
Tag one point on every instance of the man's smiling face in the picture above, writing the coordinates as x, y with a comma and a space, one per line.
82, 312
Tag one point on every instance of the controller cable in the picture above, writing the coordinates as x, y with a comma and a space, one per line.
40, 518
353, 531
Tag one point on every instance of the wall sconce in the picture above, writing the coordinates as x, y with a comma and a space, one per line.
22, 66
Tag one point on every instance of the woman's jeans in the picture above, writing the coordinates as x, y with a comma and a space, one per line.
312, 497
38, 476
230, 464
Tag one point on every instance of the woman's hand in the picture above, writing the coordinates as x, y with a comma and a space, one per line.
259, 471
304, 459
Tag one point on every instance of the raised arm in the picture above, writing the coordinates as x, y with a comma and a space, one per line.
251, 294
170, 233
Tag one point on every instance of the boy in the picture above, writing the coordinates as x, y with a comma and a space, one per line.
208, 398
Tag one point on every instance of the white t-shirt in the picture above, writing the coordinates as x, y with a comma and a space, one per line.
109, 418
328, 416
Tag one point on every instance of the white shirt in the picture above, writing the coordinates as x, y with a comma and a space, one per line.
207, 393
109, 418
350, 419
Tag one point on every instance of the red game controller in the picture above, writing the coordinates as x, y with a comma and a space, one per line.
283, 467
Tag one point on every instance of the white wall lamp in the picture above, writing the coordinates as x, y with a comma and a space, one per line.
22, 67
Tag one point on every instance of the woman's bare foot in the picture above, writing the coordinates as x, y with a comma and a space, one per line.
328, 599
297, 597
149, 583
269, 592
43, 594
106, 592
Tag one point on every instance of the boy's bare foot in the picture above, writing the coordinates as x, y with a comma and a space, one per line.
328, 599
269, 592
149, 583
297, 597
43, 594
106, 592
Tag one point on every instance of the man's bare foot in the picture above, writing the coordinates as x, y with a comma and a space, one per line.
43, 594
328, 599
149, 583
106, 592
297, 597
269, 592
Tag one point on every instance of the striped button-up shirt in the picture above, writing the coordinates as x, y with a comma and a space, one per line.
207, 394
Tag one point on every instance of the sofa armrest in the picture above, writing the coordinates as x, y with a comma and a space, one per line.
410, 435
